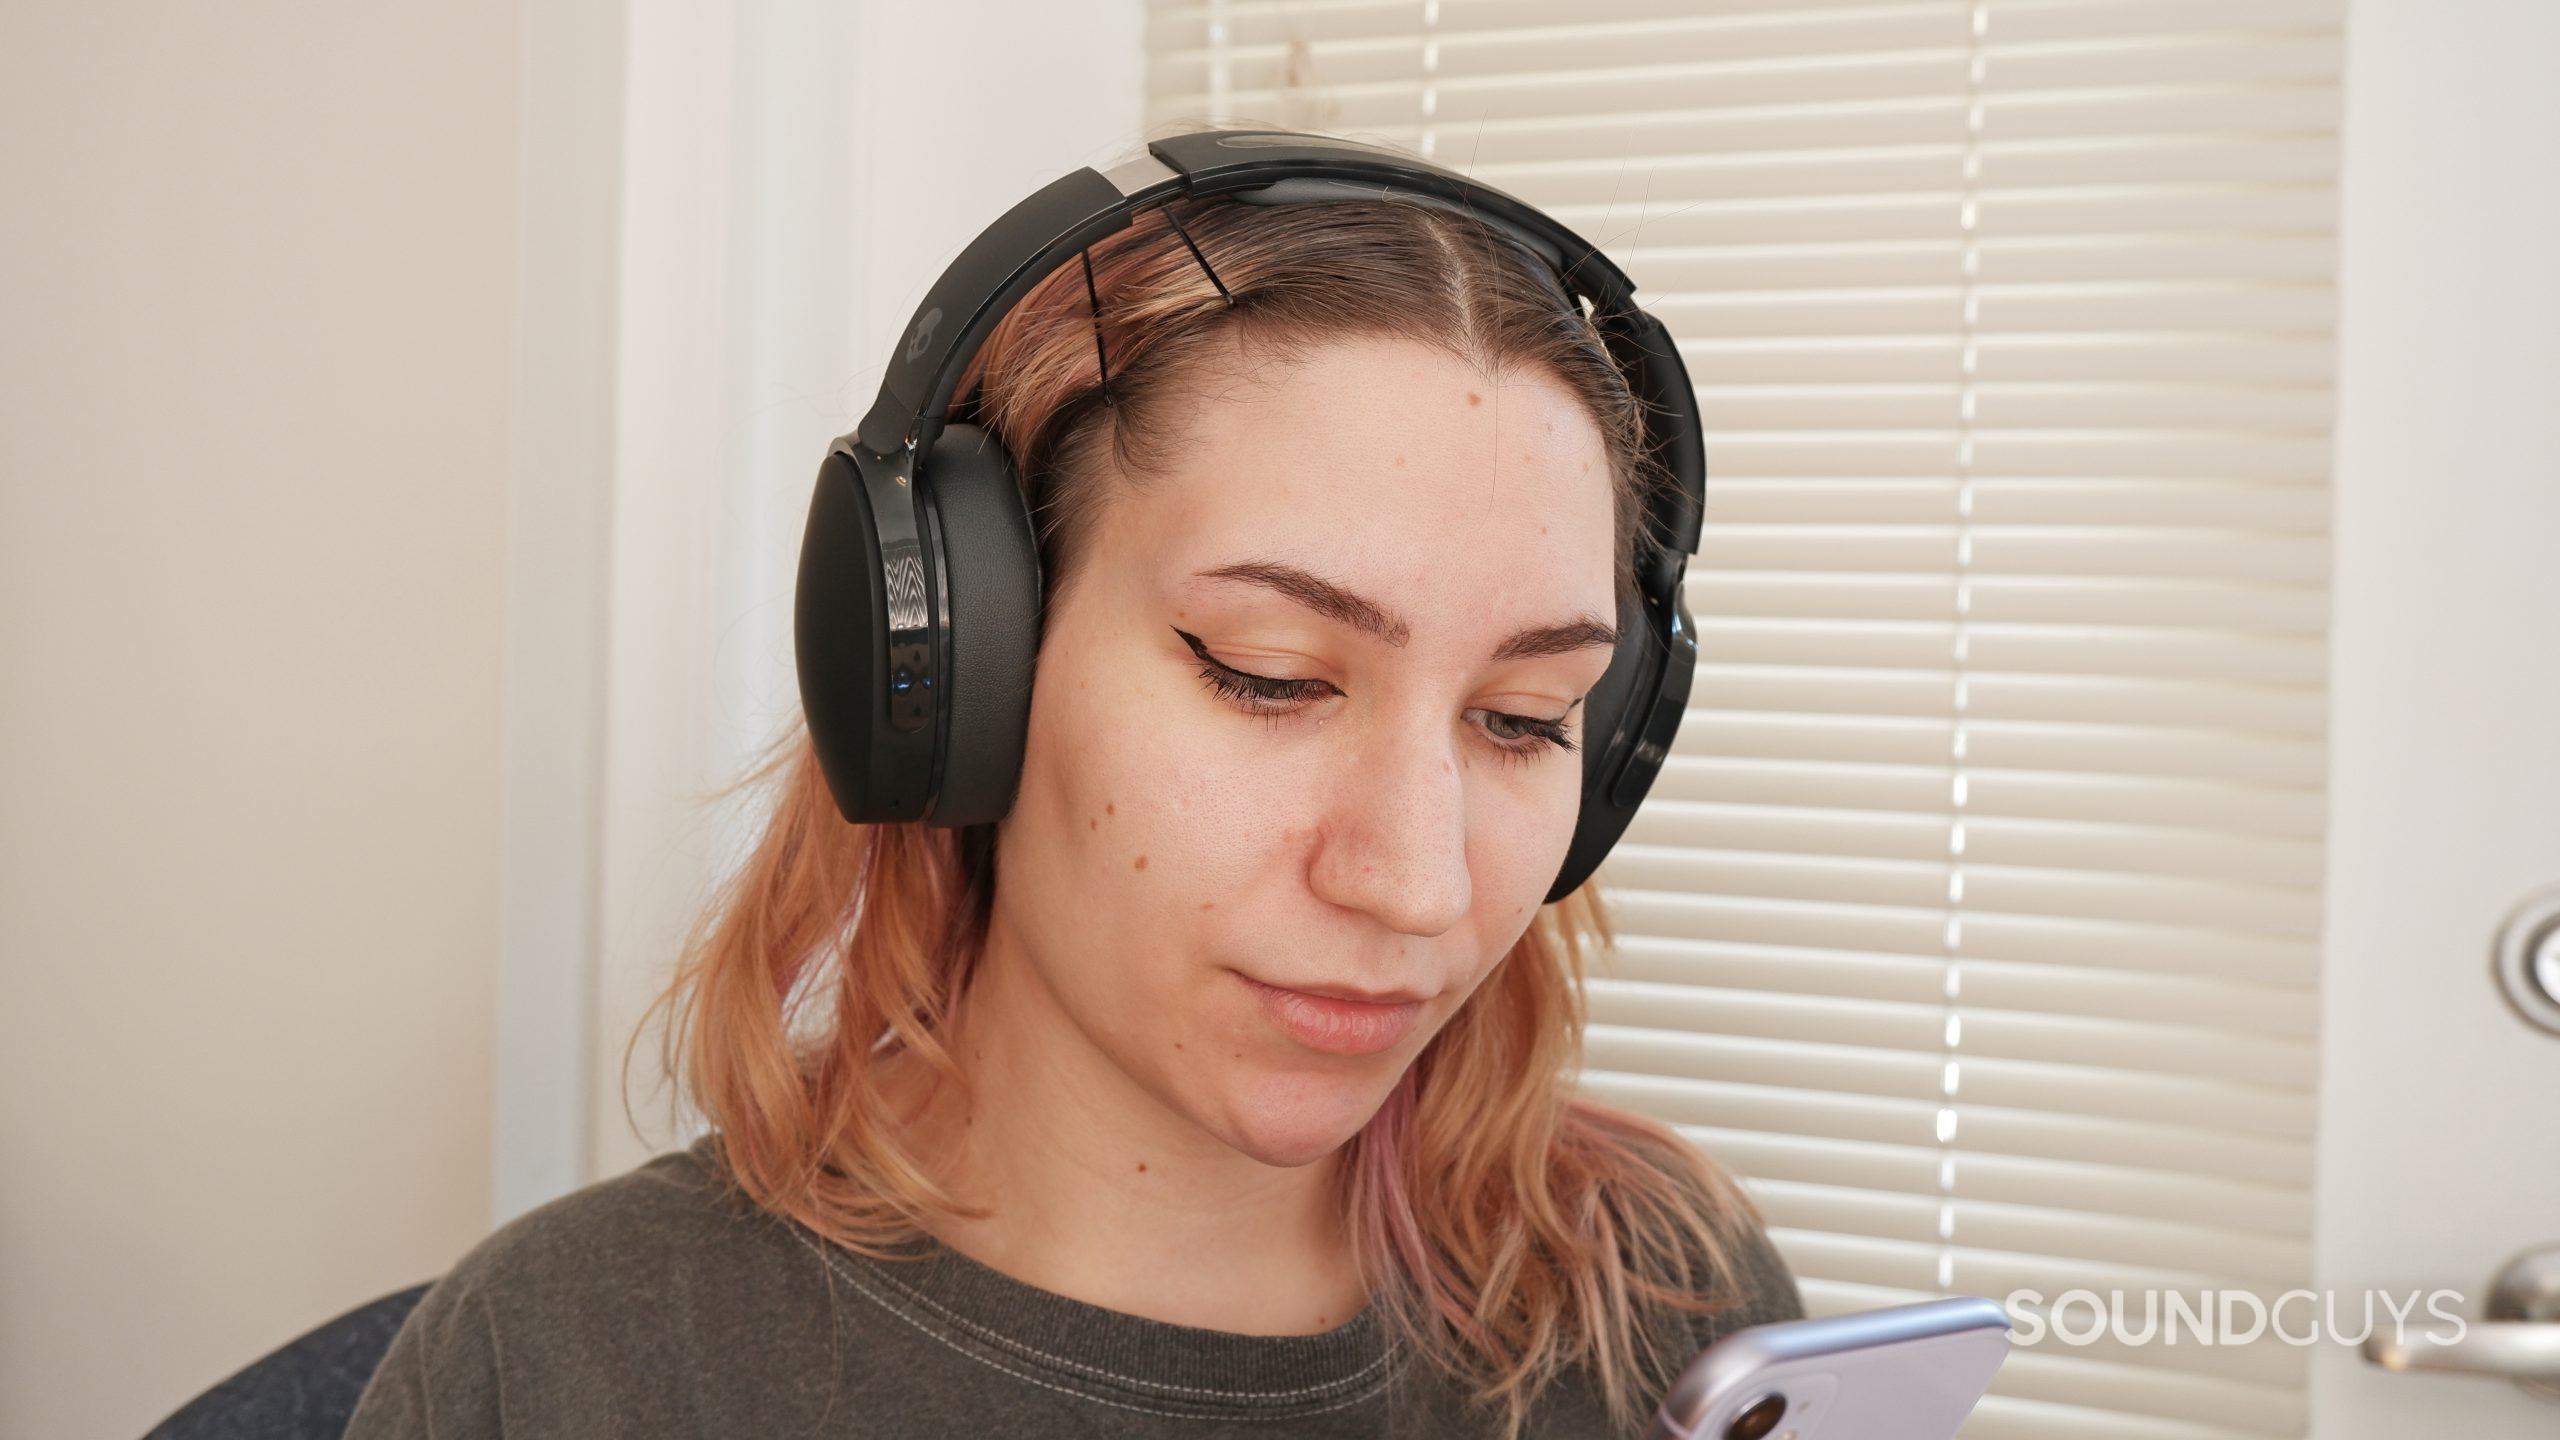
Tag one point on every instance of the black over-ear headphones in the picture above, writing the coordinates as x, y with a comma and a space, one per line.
918, 614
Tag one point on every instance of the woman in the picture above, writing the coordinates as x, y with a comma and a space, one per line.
1224, 1086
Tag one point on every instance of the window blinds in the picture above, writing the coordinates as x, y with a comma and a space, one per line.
1973, 921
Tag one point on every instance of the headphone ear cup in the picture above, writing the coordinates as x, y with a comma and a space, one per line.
1605, 712
991, 570
1604, 748
1635, 711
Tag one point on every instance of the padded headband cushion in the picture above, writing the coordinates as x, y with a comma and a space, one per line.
994, 586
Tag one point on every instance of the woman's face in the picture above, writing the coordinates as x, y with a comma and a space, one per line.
1424, 564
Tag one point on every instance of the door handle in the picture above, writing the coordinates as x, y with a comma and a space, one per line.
2520, 1339
2528, 963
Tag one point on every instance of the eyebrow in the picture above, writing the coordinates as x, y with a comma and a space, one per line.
1340, 603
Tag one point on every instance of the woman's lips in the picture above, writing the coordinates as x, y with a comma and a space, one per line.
1342, 1027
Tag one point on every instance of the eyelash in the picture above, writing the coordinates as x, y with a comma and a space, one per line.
1253, 691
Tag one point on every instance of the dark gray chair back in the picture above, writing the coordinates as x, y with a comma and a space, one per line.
305, 1389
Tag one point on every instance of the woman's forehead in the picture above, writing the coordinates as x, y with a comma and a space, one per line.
1393, 471
1373, 387
1390, 436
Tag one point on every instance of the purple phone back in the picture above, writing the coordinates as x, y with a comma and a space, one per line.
1906, 1372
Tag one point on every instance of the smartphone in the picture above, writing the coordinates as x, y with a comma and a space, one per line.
1906, 1372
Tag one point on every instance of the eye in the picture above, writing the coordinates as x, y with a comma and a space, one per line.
1522, 736
1515, 737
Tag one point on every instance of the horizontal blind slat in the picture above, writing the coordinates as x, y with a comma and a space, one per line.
2057, 1391
2119, 651
1664, 150
2001, 358
1996, 500
2235, 1113
2096, 1189
1670, 826
2131, 600
1810, 26
1989, 891
2274, 710
2178, 1150
1991, 551
2143, 946
2018, 307
2116, 749
2178, 811
2231, 1007
2124, 1054
1380, 79
1940, 260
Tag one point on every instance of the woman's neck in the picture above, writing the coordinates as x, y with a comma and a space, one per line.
1099, 1192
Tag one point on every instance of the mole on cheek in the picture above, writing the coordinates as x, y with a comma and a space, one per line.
1142, 863
1474, 399
1110, 808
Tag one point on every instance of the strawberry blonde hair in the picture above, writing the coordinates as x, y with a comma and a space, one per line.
1507, 1226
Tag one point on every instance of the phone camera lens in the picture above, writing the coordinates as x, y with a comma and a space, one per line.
1759, 1420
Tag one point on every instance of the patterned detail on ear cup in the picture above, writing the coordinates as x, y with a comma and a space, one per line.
991, 565
839, 637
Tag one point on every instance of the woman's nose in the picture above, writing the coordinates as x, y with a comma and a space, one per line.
1395, 841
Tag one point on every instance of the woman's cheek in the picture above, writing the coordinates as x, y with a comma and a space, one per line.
1520, 843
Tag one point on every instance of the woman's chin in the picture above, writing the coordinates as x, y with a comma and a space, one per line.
1290, 1121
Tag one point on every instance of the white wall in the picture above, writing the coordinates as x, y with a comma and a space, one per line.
409, 419
254, 346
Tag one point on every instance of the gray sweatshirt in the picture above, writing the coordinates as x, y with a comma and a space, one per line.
662, 1302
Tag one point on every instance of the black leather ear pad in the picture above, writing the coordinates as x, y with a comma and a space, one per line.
992, 576
1604, 714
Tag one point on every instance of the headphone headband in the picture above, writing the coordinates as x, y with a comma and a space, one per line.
1046, 228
